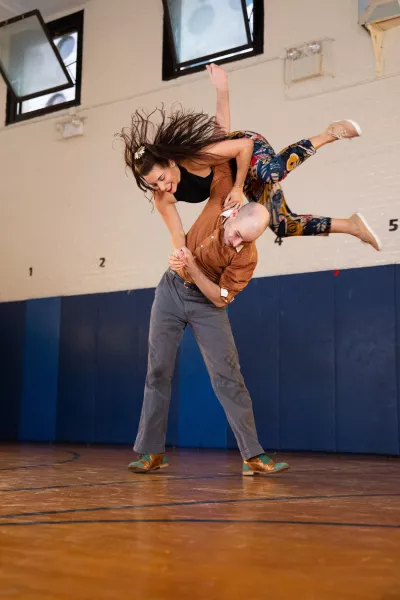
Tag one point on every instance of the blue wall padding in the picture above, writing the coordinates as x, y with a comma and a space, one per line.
365, 351
122, 333
319, 354
202, 422
77, 369
307, 366
12, 336
40, 367
255, 326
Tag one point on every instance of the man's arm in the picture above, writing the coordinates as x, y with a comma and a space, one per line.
233, 280
210, 289
184, 259
237, 275
219, 79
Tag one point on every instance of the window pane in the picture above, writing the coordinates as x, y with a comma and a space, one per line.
72, 71
48, 100
67, 46
206, 62
28, 59
201, 29
250, 15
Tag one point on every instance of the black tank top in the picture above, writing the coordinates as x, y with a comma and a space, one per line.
193, 188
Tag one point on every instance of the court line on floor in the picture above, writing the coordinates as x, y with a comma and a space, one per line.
141, 479
184, 503
153, 478
75, 456
216, 521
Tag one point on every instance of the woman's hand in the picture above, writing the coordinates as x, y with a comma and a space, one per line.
218, 77
180, 258
185, 256
175, 263
234, 199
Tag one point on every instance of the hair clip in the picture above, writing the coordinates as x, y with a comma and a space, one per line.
139, 153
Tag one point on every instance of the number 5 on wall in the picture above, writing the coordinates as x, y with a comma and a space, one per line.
393, 224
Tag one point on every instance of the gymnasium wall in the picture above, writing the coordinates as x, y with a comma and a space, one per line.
319, 353
317, 329
67, 203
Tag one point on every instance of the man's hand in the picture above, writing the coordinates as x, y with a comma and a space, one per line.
174, 263
186, 257
218, 77
181, 258
234, 199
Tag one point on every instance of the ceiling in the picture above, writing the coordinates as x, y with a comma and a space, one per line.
12, 8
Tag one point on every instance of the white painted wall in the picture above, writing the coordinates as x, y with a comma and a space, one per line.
65, 204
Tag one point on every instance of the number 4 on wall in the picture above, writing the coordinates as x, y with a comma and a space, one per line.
393, 224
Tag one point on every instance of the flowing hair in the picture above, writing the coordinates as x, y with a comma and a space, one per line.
181, 136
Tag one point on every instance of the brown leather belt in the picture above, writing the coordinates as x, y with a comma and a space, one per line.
187, 284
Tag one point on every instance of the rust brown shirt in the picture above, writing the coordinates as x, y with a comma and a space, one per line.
230, 268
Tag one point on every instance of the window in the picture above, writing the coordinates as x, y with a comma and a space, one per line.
67, 34
197, 32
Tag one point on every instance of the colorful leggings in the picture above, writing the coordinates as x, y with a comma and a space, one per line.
262, 185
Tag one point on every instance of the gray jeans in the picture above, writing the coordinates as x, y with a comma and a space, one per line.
174, 307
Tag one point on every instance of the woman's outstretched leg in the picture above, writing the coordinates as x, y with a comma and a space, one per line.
269, 167
284, 223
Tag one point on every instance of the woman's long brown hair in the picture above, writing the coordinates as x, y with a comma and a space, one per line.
181, 136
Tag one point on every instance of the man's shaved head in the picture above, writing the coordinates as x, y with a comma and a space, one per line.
246, 225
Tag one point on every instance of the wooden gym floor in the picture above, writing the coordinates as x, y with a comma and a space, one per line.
75, 524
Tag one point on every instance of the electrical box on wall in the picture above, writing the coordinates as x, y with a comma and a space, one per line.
71, 127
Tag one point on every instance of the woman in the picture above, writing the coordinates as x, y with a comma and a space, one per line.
175, 159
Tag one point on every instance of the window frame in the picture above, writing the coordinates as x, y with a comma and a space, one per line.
25, 16
57, 28
170, 65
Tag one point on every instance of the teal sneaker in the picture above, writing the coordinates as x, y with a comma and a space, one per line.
148, 463
263, 465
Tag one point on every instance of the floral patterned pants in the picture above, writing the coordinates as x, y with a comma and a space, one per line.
262, 185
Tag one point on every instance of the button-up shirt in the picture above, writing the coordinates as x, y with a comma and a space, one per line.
230, 268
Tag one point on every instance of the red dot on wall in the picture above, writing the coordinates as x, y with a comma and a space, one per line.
336, 272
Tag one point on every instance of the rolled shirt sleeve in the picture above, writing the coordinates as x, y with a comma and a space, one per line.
238, 274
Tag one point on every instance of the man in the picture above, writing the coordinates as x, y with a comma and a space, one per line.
205, 276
